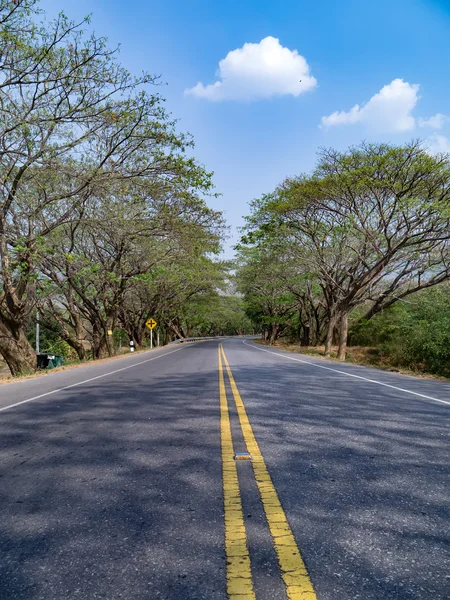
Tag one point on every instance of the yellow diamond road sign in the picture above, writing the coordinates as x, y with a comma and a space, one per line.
151, 323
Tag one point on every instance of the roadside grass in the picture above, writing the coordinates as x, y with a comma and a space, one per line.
357, 355
6, 377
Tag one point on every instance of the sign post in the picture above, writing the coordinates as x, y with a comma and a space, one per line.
151, 324
37, 331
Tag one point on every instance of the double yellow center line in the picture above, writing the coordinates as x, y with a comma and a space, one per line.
239, 575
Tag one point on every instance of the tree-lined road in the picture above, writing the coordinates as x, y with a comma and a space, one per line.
111, 478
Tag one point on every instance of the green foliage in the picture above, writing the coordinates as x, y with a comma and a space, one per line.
59, 347
369, 227
100, 193
51, 342
214, 314
415, 335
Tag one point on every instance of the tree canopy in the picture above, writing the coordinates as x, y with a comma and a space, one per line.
104, 218
369, 227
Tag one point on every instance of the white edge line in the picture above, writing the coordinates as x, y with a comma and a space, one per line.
348, 374
91, 379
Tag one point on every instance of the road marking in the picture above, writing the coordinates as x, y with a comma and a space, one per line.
238, 570
242, 456
399, 389
293, 569
89, 380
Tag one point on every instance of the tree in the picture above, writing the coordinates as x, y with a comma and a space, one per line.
77, 128
261, 278
102, 262
414, 334
371, 224
192, 281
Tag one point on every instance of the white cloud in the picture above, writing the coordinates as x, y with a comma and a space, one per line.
387, 111
438, 144
257, 71
436, 122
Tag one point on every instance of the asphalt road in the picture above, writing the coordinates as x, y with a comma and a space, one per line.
112, 487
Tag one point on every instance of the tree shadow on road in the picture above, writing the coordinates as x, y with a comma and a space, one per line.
119, 495
363, 474
114, 495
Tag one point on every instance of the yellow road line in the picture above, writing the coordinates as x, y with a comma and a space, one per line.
293, 569
238, 570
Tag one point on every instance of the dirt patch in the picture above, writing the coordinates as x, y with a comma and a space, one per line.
358, 355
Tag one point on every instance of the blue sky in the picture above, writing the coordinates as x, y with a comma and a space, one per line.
382, 65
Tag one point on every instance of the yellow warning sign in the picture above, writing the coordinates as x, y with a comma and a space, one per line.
151, 323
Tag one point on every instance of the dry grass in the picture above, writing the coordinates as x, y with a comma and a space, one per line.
358, 355
6, 377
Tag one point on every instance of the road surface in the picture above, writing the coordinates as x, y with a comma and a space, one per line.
118, 480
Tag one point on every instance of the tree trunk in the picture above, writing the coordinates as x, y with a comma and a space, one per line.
75, 341
306, 337
318, 329
80, 336
274, 332
16, 350
166, 336
178, 330
105, 347
77, 346
343, 335
98, 342
139, 333
137, 337
105, 344
330, 333
100, 349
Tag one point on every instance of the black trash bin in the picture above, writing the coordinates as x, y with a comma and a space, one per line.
42, 360
49, 361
